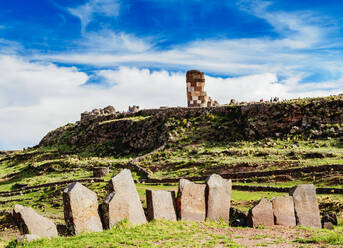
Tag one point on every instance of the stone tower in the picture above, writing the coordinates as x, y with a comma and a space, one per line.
196, 96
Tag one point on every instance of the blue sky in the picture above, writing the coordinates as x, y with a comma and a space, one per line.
61, 57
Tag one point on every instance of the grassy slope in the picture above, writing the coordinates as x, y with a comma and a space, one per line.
190, 152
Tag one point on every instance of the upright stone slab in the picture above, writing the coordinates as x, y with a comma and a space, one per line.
161, 204
219, 198
81, 209
191, 204
283, 208
306, 205
123, 202
261, 214
30, 222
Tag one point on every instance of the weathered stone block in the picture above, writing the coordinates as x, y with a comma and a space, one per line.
161, 204
283, 208
219, 198
81, 209
261, 214
30, 222
306, 205
100, 171
123, 202
191, 203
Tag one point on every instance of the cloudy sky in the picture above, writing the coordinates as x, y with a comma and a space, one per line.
59, 58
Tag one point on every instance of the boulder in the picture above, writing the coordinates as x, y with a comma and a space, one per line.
332, 217
191, 203
218, 198
30, 222
306, 205
81, 209
123, 202
100, 171
283, 208
161, 204
27, 238
328, 225
261, 214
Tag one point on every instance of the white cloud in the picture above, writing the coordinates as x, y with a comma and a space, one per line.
87, 11
38, 97
106, 41
302, 47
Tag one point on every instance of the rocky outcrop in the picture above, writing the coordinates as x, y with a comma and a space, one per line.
191, 202
261, 214
123, 202
81, 209
86, 117
30, 222
218, 198
161, 204
121, 132
283, 208
306, 205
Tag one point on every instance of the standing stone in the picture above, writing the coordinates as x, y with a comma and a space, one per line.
306, 205
261, 214
219, 198
283, 208
191, 203
30, 222
81, 209
123, 202
100, 171
161, 204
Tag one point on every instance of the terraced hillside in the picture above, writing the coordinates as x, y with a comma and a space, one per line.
276, 145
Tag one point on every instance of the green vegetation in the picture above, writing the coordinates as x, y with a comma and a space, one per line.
134, 118
196, 145
154, 234
324, 236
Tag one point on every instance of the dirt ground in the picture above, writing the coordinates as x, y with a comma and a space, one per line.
274, 237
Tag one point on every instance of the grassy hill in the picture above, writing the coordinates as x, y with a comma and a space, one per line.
160, 146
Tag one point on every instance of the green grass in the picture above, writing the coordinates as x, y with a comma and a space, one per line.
324, 236
153, 234
134, 118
